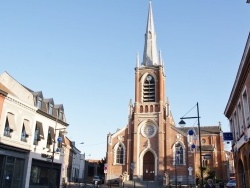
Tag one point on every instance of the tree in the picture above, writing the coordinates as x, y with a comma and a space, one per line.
208, 173
101, 165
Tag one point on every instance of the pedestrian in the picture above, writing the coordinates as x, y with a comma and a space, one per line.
209, 184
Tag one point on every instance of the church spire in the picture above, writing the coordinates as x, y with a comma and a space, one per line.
150, 56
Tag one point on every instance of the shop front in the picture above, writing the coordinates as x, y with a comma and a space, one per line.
13, 162
44, 174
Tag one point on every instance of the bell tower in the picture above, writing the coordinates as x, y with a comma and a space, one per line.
151, 110
142, 149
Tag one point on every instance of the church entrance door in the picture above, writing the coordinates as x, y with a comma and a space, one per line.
148, 167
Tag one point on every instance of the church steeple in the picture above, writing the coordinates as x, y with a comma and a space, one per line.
150, 56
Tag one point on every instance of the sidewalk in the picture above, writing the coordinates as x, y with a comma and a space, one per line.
127, 184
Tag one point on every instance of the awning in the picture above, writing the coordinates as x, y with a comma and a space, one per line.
52, 133
40, 129
11, 120
26, 124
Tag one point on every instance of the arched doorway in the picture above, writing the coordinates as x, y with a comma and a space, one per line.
148, 166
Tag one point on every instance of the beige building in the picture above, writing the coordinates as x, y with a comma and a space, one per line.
238, 113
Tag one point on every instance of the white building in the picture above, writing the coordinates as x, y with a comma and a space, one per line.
78, 163
31, 137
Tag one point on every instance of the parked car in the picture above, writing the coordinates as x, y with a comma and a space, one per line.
97, 180
231, 184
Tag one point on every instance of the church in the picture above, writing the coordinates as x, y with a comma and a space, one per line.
151, 145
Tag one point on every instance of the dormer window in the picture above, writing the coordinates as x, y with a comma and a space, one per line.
51, 108
39, 102
60, 115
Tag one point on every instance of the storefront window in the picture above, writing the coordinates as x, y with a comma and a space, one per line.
11, 172
42, 174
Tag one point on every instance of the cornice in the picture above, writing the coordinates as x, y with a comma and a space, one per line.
51, 117
17, 102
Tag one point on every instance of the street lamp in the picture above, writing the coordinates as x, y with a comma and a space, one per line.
177, 156
59, 140
182, 123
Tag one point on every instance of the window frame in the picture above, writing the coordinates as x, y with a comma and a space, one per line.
50, 108
39, 102
23, 134
181, 154
7, 129
149, 89
119, 158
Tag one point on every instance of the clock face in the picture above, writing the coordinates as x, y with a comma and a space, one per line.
149, 78
148, 130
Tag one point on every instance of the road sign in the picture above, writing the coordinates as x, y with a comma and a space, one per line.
59, 139
228, 136
105, 168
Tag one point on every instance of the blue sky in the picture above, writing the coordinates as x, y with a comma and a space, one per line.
82, 54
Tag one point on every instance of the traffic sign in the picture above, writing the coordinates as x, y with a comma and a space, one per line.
228, 136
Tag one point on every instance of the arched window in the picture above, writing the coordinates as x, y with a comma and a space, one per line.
149, 89
119, 154
141, 109
151, 108
178, 154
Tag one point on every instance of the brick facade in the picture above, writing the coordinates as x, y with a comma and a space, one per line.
148, 142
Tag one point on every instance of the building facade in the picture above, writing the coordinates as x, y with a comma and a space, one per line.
238, 113
78, 164
74, 163
31, 137
151, 145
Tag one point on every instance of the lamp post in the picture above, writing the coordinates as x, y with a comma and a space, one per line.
177, 155
182, 123
59, 139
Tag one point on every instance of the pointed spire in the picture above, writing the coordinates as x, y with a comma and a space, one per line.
150, 56
163, 68
130, 108
130, 103
161, 62
160, 58
137, 60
